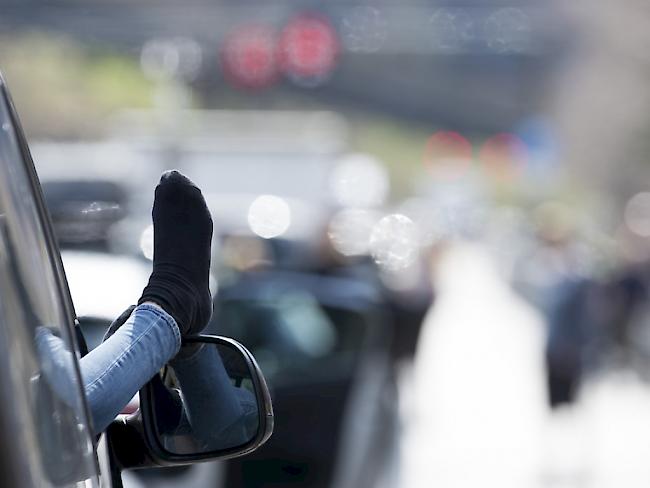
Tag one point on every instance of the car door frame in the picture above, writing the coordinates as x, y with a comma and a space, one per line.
55, 261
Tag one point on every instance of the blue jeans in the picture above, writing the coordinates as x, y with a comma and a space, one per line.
126, 361
113, 372
213, 409
216, 413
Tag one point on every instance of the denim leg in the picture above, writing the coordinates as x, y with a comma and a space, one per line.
215, 409
120, 366
57, 367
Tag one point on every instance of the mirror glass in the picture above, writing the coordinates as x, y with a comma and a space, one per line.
206, 401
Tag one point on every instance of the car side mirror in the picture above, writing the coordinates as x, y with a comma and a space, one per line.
212, 404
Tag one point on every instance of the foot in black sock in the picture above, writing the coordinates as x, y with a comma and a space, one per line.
182, 229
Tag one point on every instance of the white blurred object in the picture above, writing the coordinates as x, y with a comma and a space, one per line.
269, 216
394, 242
349, 231
103, 285
616, 415
637, 214
359, 180
146, 242
602, 440
307, 218
479, 395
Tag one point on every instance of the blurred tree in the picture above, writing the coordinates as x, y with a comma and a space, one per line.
63, 89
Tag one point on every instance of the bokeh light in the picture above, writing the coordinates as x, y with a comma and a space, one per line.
359, 180
249, 58
504, 155
269, 216
543, 149
349, 231
244, 252
508, 30
309, 49
448, 154
394, 242
364, 29
451, 29
637, 214
146, 242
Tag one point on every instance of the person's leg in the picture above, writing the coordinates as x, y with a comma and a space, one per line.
57, 367
178, 286
120, 366
147, 338
216, 410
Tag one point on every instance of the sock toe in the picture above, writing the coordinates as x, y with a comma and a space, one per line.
175, 177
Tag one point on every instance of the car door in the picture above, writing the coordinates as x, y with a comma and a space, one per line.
323, 345
45, 434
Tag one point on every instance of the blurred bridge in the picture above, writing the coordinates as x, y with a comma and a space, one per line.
476, 67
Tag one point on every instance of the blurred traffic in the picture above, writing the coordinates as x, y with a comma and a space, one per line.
432, 220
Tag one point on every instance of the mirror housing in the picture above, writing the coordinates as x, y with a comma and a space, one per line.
153, 443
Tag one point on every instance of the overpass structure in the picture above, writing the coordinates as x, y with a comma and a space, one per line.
474, 66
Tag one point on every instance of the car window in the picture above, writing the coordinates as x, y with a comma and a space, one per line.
294, 337
41, 391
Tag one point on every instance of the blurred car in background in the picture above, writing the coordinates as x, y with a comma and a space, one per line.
324, 344
103, 283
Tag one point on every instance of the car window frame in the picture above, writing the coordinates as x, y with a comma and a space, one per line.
62, 291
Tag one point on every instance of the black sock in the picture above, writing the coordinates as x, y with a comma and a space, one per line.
182, 227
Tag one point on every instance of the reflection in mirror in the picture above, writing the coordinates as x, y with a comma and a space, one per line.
205, 402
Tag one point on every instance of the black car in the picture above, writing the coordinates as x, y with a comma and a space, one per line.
323, 343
